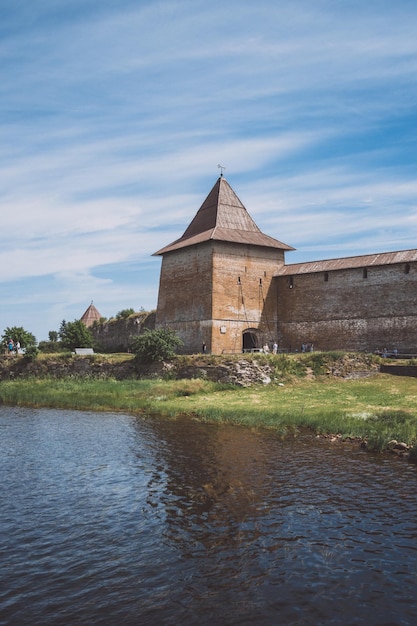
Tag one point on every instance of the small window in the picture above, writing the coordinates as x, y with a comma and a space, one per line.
264, 274
291, 282
407, 268
260, 282
326, 277
365, 272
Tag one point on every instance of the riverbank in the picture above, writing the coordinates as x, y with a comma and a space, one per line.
376, 410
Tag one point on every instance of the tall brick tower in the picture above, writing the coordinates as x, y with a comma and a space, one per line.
216, 285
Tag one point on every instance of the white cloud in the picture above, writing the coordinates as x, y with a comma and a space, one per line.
115, 116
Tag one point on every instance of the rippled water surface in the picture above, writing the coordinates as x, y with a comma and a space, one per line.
113, 519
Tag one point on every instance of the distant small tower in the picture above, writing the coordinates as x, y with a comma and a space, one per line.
91, 315
216, 286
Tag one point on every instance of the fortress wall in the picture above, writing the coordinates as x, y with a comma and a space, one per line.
117, 335
351, 310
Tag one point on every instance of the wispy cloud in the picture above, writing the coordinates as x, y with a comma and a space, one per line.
114, 116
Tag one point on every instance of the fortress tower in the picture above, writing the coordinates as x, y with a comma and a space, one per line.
216, 285
90, 315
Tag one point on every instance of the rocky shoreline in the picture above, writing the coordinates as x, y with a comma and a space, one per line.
234, 370
393, 448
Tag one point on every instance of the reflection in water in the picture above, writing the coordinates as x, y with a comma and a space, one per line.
110, 518
299, 524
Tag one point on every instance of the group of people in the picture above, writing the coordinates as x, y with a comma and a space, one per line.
386, 353
274, 348
307, 347
12, 347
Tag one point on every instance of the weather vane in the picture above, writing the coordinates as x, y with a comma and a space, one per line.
222, 168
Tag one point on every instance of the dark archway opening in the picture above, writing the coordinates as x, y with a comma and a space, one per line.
249, 340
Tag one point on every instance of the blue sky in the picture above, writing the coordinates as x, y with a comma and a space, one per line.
114, 116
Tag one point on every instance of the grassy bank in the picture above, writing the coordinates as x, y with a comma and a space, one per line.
378, 409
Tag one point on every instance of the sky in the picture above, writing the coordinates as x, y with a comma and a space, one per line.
115, 115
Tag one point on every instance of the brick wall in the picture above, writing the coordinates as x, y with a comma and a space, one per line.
350, 309
185, 295
244, 294
117, 335
214, 291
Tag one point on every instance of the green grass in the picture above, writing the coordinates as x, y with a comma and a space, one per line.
379, 408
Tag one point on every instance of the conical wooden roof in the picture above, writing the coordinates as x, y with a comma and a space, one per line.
90, 316
223, 217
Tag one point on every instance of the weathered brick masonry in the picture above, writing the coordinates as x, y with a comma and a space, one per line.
185, 295
221, 290
217, 281
354, 308
225, 283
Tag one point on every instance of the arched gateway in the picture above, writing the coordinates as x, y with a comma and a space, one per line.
249, 340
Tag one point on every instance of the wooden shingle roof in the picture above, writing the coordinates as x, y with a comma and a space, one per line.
222, 217
90, 316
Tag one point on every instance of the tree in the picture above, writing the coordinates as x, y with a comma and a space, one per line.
50, 346
53, 345
156, 345
19, 334
124, 314
75, 335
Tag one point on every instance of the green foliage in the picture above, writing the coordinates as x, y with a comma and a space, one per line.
50, 346
97, 323
124, 314
388, 425
75, 335
53, 335
31, 352
285, 367
156, 345
320, 361
377, 441
17, 333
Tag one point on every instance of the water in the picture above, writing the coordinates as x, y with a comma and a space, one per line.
112, 519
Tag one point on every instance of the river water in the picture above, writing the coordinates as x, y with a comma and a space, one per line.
115, 519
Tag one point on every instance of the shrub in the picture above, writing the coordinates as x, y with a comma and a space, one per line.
320, 361
50, 346
31, 352
156, 345
124, 314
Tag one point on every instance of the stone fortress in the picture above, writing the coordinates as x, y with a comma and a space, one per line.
226, 284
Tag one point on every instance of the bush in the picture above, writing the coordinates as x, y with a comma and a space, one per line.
124, 314
156, 345
50, 346
31, 352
